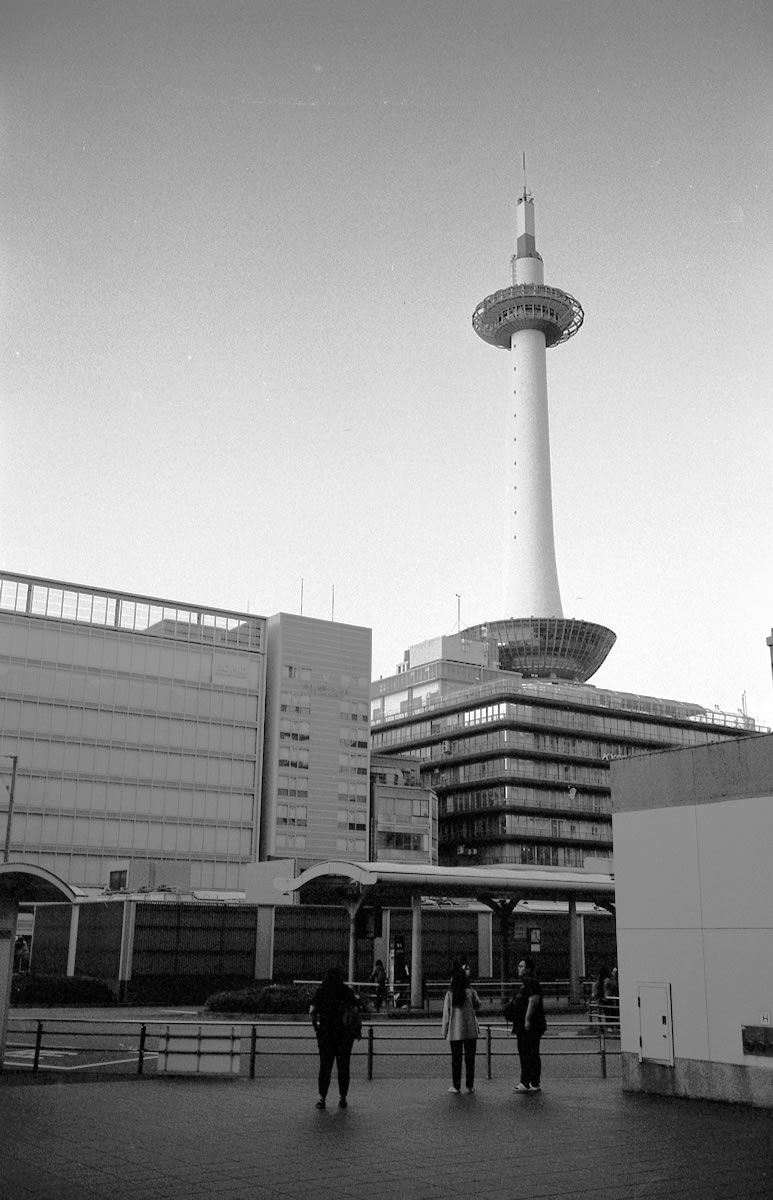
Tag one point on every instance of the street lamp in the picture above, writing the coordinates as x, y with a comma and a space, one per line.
15, 760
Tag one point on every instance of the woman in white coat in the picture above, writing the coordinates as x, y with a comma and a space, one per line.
460, 1026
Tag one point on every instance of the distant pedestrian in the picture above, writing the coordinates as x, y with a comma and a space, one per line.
378, 976
611, 999
605, 993
330, 1011
529, 1025
460, 1026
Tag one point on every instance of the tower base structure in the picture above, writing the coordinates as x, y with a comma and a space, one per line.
546, 647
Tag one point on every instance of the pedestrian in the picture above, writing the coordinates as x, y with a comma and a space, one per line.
529, 1025
611, 999
604, 989
460, 1026
331, 1014
378, 976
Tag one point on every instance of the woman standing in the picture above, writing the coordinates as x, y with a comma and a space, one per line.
328, 1010
460, 1026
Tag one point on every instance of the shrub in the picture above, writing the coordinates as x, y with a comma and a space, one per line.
50, 990
284, 999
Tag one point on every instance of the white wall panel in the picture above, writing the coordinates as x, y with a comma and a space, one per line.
735, 849
656, 869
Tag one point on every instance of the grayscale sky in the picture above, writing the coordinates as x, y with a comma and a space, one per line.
242, 243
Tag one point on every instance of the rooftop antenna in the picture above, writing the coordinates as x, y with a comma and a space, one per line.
525, 189
301, 595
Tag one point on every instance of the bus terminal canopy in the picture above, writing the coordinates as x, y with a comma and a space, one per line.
397, 884
24, 883
402, 885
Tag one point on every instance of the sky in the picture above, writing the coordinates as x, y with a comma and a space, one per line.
242, 242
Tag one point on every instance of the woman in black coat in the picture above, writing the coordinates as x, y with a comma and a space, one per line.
331, 1001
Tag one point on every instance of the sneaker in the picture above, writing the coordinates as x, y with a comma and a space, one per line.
342, 1103
470, 1091
535, 1087
320, 1103
454, 1090
522, 1087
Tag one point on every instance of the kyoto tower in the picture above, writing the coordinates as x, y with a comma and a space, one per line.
527, 318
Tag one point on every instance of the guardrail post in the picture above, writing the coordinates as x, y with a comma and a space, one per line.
603, 1050
253, 1049
38, 1044
370, 1051
488, 1051
141, 1057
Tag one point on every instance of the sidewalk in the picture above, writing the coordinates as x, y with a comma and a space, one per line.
181, 1139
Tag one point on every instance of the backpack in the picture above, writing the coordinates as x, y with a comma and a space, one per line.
352, 1022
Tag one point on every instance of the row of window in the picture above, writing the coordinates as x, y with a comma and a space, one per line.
394, 839
351, 819
195, 701
529, 768
523, 741
403, 807
531, 854
566, 799
124, 800
292, 785
352, 789
354, 737
293, 756
584, 721
142, 766
291, 814
304, 674
294, 731
34, 833
351, 845
152, 731
521, 824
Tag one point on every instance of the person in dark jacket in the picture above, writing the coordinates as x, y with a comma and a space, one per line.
529, 1025
334, 1041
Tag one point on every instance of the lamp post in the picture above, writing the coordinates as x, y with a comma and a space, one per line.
15, 760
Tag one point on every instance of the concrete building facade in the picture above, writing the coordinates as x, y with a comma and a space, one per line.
693, 834
316, 758
404, 825
520, 765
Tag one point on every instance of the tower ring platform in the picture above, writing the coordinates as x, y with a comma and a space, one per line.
547, 647
527, 306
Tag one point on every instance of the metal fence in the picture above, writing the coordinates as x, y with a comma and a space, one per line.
136, 1042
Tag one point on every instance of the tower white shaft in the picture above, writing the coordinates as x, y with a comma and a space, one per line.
532, 576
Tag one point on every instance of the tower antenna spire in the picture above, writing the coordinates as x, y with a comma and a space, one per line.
525, 189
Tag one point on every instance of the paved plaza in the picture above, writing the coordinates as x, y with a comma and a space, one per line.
178, 1139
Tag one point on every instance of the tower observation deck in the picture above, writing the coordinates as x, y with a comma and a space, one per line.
527, 318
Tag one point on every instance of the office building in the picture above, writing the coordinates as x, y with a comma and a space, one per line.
136, 725
317, 747
521, 765
404, 812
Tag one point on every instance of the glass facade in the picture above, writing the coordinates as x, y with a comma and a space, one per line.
137, 726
